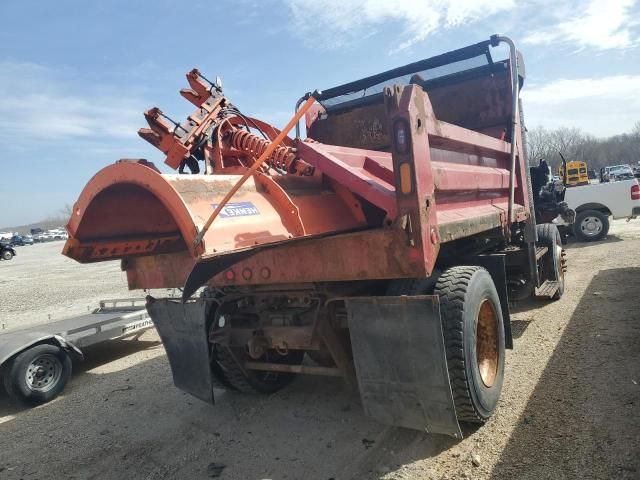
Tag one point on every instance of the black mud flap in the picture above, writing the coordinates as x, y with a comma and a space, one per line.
400, 360
183, 330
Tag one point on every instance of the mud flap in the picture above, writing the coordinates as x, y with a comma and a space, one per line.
183, 330
400, 360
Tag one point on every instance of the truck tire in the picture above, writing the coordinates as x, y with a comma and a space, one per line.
463, 291
253, 381
474, 340
551, 264
591, 225
38, 374
7, 255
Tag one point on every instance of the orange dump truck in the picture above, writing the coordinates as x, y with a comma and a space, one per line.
384, 247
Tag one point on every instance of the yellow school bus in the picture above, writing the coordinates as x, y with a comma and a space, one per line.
574, 173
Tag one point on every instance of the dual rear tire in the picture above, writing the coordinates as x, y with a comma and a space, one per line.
552, 265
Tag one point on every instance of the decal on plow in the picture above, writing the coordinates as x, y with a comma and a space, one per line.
237, 209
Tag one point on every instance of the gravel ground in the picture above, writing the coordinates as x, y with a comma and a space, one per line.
40, 284
570, 407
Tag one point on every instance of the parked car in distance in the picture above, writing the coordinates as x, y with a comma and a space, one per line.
614, 173
7, 252
21, 240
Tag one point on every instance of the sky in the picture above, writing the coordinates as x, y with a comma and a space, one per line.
76, 76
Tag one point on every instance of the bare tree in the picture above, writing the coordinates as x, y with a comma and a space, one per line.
576, 145
538, 144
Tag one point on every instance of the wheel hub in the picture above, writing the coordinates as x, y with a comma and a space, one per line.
487, 343
591, 226
43, 373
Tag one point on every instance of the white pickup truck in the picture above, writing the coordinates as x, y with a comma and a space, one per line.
595, 203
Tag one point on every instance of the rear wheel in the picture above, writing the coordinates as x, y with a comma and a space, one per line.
474, 340
591, 225
473, 333
7, 255
552, 263
228, 369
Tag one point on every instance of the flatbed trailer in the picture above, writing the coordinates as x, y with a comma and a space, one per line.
36, 362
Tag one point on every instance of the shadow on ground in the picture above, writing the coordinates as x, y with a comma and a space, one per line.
528, 306
575, 244
588, 398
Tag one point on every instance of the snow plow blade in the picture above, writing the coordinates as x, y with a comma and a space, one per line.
401, 364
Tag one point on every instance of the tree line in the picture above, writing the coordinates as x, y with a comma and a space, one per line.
574, 144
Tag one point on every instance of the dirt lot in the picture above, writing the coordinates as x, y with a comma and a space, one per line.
570, 407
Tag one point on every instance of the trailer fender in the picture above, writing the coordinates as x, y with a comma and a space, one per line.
183, 330
401, 364
14, 343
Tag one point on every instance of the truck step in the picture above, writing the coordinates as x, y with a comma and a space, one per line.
540, 251
547, 289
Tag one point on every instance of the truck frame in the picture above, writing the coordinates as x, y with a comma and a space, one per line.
385, 248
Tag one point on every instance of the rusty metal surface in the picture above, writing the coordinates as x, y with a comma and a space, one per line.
409, 108
353, 256
130, 209
477, 103
459, 187
364, 127
295, 338
303, 369
283, 158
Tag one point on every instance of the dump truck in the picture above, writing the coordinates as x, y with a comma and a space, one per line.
384, 248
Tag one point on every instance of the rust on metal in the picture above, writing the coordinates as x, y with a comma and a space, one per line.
303, 369
338, 192
487, 342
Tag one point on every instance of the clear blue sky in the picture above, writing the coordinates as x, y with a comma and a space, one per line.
75, 76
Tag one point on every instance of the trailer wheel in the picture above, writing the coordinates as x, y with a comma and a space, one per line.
591, 225
254, 381
474, 340
552, 264
38, 374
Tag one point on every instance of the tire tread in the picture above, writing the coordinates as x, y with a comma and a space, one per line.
452, 288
